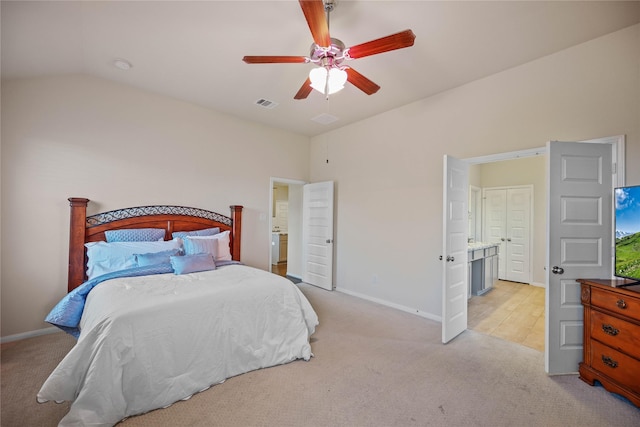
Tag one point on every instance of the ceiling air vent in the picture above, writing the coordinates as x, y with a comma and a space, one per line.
265, 103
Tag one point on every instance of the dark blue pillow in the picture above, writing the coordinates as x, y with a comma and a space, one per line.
134, 235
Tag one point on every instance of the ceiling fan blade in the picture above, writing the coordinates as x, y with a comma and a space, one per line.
384, 44
361, 82
305, 90
316, 19
274, 59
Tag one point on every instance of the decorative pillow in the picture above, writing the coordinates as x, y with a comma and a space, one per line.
134, 235
153, 258
203, 232
217, 245
192, 263
105, 257
194, 245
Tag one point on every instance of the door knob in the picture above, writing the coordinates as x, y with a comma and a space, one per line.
450, 258
557, 270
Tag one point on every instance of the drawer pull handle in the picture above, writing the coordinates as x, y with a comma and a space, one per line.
610, 330
621, 304
609, 361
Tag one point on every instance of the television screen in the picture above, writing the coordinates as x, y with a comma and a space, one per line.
627, 237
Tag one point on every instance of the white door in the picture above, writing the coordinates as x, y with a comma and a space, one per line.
281, 219
495, 220
508, 223
518, 260
455, 225
579, 243
317, 234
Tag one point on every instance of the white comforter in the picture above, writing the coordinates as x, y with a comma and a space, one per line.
149, 341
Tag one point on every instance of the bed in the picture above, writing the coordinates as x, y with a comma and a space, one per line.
157, 326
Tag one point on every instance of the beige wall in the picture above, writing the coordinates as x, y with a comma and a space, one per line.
119, 147
388, 169
81, 136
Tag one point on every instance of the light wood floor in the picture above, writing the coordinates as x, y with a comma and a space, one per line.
511, 311
279, 269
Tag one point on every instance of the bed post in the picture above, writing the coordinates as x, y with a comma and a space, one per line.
76, 241
236, 217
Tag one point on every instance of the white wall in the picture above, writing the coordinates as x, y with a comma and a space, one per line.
388, 169
86, 137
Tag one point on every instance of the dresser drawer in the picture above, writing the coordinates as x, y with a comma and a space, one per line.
616, 333
617, 366
617, 303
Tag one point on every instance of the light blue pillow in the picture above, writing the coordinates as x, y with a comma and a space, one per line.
195, 245
153, 258
203, 232
192, 263
134, 235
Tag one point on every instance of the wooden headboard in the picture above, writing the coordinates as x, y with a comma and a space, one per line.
85, 229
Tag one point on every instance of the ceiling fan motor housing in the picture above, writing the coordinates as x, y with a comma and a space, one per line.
332, 55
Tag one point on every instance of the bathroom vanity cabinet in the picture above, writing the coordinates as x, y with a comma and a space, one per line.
483, 267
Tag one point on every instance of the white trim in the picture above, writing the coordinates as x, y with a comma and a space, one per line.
618, 144
391, 305
30, 334
532, 152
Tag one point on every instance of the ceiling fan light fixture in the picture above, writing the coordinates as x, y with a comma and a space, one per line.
328, 80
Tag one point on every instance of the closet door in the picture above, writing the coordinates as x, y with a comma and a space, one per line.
517, 265
507, 222
495, 223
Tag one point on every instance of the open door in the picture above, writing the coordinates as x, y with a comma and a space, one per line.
579, 221
317, 234
455, 227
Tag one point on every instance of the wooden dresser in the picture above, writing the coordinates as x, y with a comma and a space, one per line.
612, 336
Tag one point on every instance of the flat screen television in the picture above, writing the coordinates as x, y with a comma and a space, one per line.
627, 232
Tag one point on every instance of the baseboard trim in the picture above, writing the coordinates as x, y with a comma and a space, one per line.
30, 334
410, 310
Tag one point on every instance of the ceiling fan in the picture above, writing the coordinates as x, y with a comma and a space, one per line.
329, 53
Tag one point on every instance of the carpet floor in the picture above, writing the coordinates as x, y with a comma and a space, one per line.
373, 366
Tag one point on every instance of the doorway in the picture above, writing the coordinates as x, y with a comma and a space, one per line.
514, 308
285, 227
539, 225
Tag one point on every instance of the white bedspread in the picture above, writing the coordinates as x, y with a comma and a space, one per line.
149, 341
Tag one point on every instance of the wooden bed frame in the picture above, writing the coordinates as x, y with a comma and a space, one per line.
85, 229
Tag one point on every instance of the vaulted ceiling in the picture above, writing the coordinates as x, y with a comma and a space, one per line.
193, 50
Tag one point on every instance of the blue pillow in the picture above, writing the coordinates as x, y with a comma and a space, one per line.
154, 258
134, 235
203, 232
194, 245
192, 263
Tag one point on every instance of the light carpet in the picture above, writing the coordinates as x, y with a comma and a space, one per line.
373, 366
